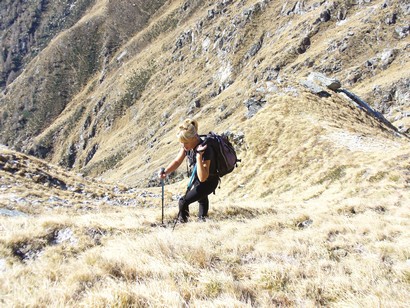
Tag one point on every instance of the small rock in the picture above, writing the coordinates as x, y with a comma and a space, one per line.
304, 45
403, 129
387, 57
237, 139
402, 32
222, 107
305, 224
193, 106
254, 49
391, 19
197, 103
211, 14
341, 14
65, 235
253, 105
325, 16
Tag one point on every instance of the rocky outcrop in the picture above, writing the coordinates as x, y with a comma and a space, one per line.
320, 85
253, 105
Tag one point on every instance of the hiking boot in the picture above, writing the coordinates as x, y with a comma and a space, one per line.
202, 219
182, 220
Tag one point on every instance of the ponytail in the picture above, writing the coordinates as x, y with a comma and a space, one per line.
187, 130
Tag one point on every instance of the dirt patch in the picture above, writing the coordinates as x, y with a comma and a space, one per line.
360, 143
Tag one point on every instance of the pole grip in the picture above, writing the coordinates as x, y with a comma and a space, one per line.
162, 171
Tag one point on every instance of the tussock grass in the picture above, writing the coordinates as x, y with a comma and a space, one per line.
261, 256
316, 214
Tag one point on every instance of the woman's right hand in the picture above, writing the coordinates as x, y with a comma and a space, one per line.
161, 174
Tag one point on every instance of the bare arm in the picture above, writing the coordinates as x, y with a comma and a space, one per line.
174, 164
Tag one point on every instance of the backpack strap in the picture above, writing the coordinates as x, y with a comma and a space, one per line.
191, 180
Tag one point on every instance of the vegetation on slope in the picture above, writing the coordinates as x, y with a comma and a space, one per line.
102, 245
195, 58
316, 214
27, 27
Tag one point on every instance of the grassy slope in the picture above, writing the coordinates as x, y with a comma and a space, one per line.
322, 224
329, 250
133, 138
316, 214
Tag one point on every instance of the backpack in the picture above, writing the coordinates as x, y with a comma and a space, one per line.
226, 159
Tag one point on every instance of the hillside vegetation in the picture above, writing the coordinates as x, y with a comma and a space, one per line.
316, 213
114, 86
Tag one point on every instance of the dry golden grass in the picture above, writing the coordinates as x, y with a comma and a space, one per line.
334, 235
249, 254
317, 213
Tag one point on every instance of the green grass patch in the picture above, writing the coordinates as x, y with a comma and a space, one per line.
333, 175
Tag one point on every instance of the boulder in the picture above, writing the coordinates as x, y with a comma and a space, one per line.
321, 79
314, 88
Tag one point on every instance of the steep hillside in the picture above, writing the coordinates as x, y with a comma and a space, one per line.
27, 27
326, 226
106, 95
63, 69
313, 94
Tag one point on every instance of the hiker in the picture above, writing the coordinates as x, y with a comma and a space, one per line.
204, 179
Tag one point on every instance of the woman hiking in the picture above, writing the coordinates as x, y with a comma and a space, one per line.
204, 179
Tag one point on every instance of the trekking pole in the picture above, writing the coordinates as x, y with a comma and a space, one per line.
162, 184
176, 220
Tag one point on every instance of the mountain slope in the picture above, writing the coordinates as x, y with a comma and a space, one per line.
28, 27
211, 55
317, 212
61, 70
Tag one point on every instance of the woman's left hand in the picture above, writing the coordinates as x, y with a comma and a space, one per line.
201, 148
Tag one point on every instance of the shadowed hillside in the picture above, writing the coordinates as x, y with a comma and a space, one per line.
63, 69
27, 27
313, 94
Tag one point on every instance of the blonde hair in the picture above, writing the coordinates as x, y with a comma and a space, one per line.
187, 130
